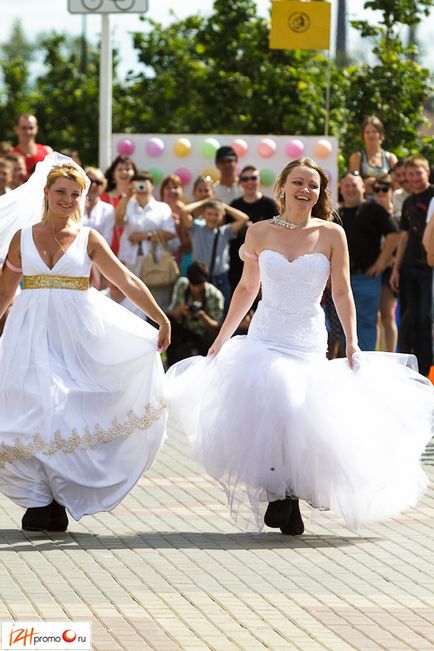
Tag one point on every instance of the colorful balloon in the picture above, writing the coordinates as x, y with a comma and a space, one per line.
322, 148
157, 175
184, 174
182, 147
240, 146
209, 147
154, 147
294, 148
212, 172
126, 147
267, 148
267, 176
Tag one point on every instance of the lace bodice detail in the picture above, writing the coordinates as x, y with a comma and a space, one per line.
290, 316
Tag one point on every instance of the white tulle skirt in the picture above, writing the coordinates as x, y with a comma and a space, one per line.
263, 422
82, 412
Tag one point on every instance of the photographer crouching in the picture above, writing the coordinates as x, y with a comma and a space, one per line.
196, 313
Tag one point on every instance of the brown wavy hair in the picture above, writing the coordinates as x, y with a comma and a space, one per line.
65, 171
173, 178
323, 208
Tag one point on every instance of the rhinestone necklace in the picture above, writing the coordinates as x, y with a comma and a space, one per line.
291, 225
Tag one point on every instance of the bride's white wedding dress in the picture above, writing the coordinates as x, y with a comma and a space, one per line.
270, 413
82, 413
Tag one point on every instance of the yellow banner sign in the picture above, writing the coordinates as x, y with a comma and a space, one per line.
300, 25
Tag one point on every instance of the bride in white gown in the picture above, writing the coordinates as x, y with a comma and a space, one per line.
82, 412
269, 416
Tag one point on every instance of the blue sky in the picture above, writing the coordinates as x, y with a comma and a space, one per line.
47, 15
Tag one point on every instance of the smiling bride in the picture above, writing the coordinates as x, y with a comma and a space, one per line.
269, 416
82, 413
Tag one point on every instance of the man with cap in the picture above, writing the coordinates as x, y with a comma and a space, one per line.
227, 188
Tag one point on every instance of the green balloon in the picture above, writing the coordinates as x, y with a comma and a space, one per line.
267, 176
157, 175
209, 148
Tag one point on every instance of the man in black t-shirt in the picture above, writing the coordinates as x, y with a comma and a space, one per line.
411, 275
257, 207
372, 236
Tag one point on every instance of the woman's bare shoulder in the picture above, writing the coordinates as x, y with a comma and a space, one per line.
258, 230
328, 225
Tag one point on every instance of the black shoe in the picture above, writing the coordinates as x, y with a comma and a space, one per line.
36, 518
58, 518
295, 526
278, 513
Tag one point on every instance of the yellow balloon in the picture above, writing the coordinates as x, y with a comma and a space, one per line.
182, 147
212, 172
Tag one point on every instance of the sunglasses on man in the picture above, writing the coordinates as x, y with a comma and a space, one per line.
253, 177
381, 188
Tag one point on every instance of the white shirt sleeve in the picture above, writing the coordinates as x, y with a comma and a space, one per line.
430, 211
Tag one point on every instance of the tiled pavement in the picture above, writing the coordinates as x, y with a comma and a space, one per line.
167, 571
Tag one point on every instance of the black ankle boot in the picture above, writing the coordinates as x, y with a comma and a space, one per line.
295, 526
278, 513
36, 518
58, 519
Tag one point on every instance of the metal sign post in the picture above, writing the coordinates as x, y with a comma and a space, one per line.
105, 8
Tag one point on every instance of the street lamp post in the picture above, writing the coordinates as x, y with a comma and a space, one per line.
105, 94
105, 8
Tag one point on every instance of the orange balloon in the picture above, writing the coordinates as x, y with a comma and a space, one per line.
322, 148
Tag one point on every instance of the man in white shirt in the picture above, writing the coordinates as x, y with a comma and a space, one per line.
227, 189
145, 220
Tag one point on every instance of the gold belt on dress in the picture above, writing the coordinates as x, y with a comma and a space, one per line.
47, 281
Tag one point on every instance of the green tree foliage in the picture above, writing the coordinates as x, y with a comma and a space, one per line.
217, 74
65, 99
15, 55
395, 87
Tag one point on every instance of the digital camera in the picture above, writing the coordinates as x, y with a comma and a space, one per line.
140, 186
194, 310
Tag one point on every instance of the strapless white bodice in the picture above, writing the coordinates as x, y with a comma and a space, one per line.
290, 317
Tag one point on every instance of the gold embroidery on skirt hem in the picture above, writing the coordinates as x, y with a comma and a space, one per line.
88, 439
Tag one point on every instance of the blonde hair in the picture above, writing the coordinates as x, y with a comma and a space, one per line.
416, 160
65, 171
323, 208
98, 174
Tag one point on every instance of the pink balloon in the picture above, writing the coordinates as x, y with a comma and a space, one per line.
184, 174
126, 147
294, 148
240, 146
267, 148
154, 147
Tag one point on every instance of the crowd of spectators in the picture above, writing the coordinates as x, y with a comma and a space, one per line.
384, 207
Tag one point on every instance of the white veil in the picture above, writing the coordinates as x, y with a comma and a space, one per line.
23, 206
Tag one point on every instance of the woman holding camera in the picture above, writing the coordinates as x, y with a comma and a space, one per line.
145, 221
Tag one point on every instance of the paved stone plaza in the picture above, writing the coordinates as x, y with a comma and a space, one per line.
167, 571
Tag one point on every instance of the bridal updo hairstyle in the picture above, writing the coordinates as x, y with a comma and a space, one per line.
323, 208
65, 171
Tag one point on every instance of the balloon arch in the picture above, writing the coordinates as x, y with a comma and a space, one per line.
192, 155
